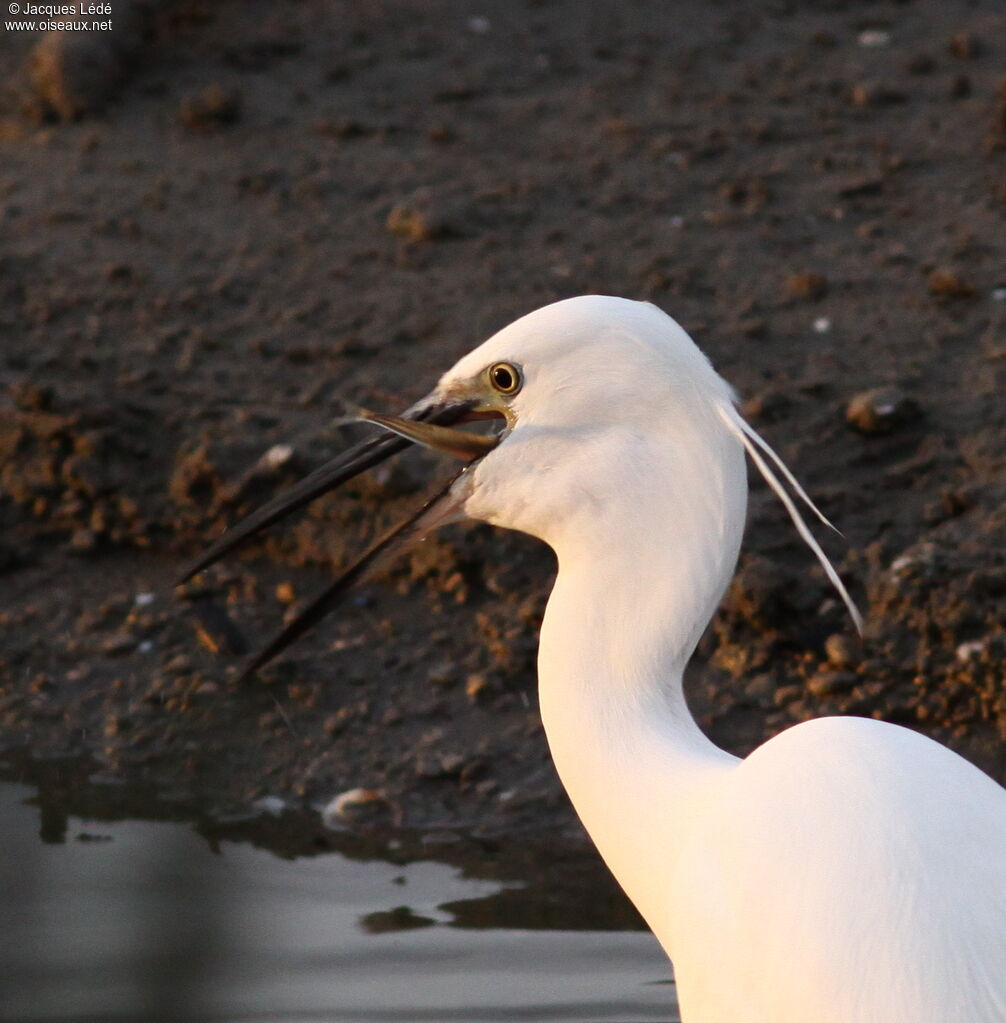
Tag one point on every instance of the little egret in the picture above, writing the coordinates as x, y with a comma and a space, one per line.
847, 871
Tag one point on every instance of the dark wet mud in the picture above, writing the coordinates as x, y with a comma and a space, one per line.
266, 208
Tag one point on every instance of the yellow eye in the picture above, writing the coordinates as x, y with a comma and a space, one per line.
505, 377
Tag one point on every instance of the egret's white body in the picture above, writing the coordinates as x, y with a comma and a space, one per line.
847, 871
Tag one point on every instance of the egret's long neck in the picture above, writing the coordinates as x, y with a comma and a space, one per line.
638, 580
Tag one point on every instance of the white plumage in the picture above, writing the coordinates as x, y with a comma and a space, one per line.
847, 871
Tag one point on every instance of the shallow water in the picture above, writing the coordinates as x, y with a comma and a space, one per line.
123, 920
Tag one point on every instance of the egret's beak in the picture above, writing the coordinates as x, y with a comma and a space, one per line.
430, 422
441, 438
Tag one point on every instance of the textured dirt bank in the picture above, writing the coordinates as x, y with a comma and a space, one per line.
276, 205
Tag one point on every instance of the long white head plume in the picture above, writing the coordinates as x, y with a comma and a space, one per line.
752, 441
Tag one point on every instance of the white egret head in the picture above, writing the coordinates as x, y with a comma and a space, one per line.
598, 394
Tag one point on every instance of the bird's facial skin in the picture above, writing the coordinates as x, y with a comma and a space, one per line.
486, 396
490, 393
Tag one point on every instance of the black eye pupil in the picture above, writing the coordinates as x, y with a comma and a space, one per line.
503, 378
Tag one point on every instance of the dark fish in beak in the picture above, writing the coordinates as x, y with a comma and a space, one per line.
331, 475
329, 598
428, 423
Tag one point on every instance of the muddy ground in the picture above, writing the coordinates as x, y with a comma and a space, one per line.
253, 209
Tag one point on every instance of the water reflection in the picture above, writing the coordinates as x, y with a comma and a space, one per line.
113, 920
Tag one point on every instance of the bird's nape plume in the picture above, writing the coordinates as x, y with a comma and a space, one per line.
752, 441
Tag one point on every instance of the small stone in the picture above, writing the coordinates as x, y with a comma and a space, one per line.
917, 561
121, 643
411, 224
336, 722
971, 650
786, 694
477, 688
115, 725
393, 921
83, 541
947, 284
810, 286
964, 46
876, 94
32, 397
215, 628
872, 38
760, 689
452, 763
441, 134
348, 805
73, 74
430, 766
444, 674
271, 805
261, 480
278, 456
800, 710
841, 651
179, 664
472, 771
830, 683
118, 272
426, 217
861, 186
755, 327
194, 478
210, 109
949, 505
881, 410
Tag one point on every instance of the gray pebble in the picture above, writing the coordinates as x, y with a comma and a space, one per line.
882, 410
